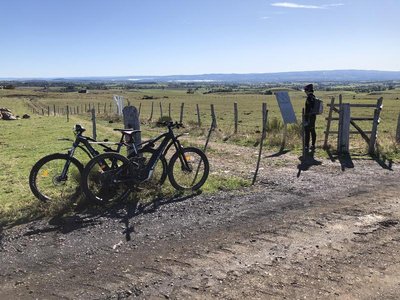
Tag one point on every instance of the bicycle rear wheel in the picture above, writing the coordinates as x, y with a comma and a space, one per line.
188, 170
46, 182
106, 178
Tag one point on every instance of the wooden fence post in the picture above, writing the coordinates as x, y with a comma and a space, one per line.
214, 118
161, 113
374, 131
263, 135
198, 116
94, 123
151, 112
67, 113
140, 107
284, 137
131, 120
54, 109
212, 127
105, 108
303, 133
169, 110
344, 128
98, 107
235, 112
339, 129
328, 123
398, 130
181, 114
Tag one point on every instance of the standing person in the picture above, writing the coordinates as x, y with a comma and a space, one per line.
310, 117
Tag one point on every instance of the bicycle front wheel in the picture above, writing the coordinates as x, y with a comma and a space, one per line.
188, 169
106, 178
47, 183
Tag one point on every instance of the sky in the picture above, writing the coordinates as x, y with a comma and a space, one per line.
77, 38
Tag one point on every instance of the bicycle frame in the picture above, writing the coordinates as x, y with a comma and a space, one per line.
168, 139
88, 149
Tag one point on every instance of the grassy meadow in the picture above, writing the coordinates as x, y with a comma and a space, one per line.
24, 141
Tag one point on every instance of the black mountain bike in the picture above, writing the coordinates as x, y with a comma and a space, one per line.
57, 176
111, 176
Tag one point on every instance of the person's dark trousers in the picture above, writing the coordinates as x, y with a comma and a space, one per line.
310, 130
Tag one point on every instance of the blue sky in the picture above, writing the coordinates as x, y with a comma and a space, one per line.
54, 38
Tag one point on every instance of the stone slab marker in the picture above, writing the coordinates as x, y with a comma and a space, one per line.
131, 120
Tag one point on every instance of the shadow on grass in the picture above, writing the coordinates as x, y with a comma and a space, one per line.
383, 161
86, 215
279, 153
346, 161
24, 215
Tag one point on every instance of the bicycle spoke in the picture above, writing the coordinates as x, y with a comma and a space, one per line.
189, 171
51, 186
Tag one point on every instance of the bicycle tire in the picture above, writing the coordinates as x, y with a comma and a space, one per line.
199, 164
44, 182
101, 175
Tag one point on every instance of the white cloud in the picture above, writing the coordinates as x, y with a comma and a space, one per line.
334, 4
296, 5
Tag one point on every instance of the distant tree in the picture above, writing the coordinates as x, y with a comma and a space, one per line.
69, 88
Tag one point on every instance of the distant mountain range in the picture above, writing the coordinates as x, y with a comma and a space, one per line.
314, 76
306, 76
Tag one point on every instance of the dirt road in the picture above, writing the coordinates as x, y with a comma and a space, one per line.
327, 234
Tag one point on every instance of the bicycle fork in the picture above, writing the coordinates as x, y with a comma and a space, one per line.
63, 176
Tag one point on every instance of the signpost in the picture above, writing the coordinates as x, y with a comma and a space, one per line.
120, 104
287, 112
286, 107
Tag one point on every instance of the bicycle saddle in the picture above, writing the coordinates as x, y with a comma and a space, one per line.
128, 131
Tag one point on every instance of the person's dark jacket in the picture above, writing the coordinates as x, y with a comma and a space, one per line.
310, 102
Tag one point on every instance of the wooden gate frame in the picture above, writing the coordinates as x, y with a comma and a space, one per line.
371, 139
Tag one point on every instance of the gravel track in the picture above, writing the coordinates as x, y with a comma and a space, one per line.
315, 233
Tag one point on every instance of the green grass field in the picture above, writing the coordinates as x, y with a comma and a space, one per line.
23, 142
